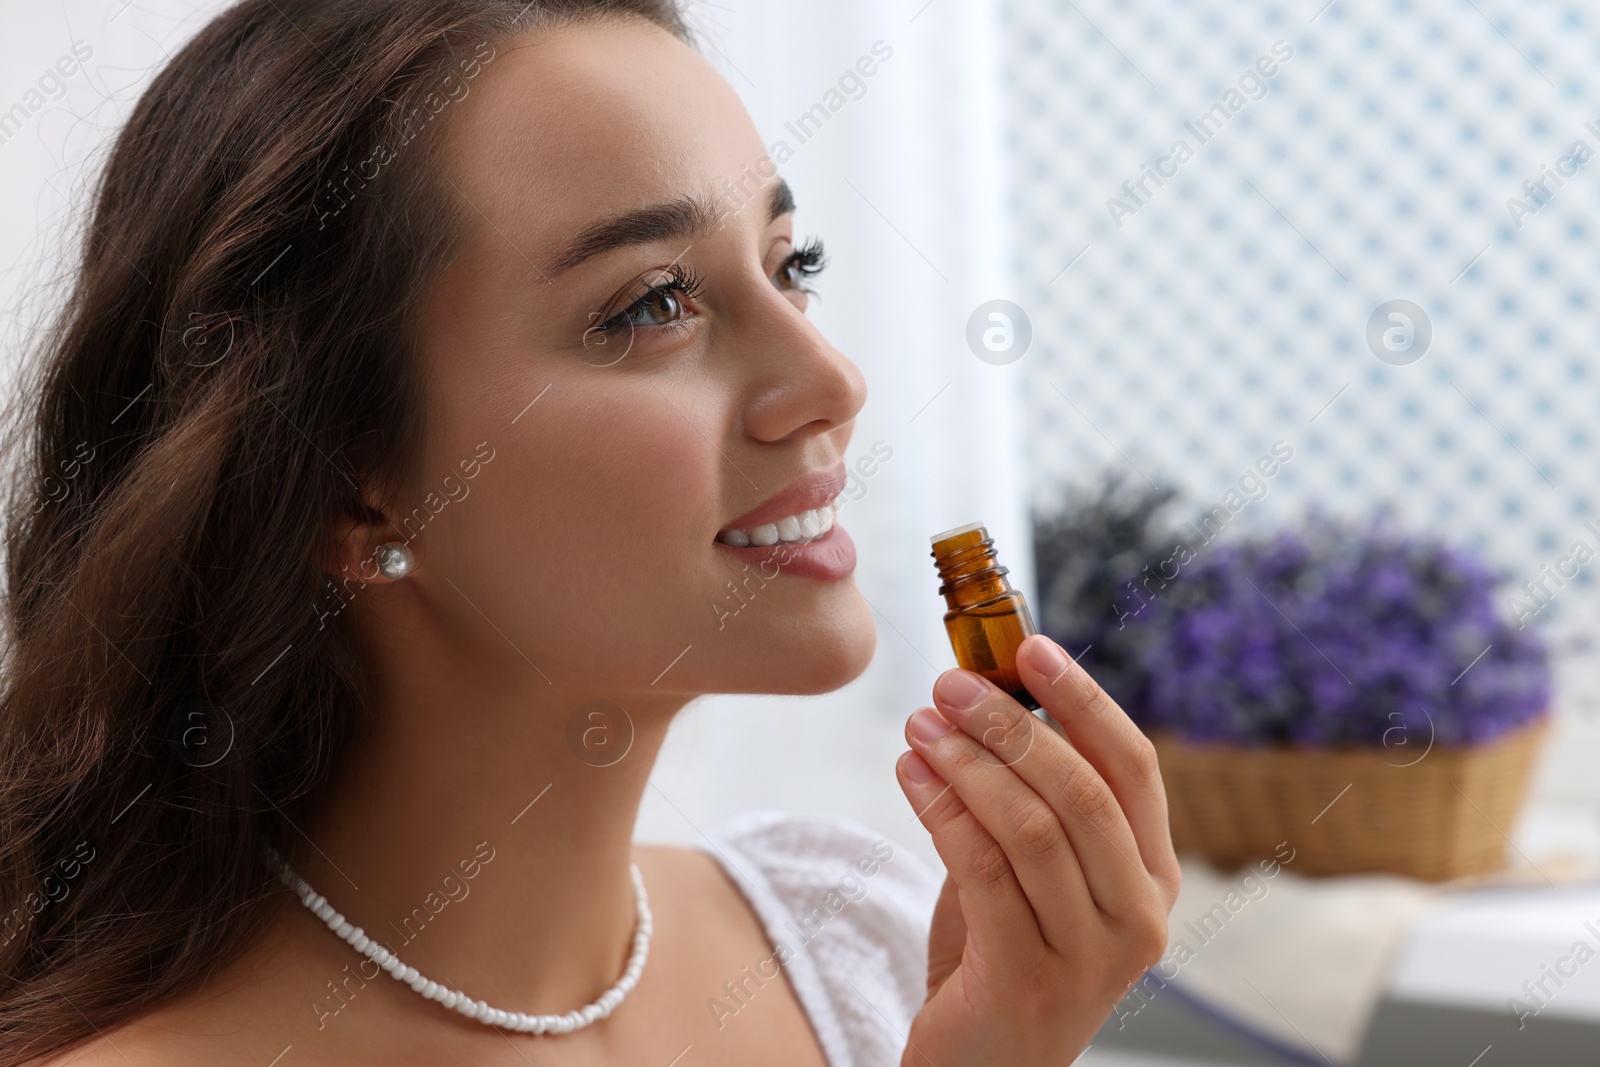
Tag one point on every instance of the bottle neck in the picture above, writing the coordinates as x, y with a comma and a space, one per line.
970, 572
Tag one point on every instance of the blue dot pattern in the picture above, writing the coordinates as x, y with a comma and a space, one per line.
1427, 152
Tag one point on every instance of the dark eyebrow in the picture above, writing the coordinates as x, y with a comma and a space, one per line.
781, 201
685, 217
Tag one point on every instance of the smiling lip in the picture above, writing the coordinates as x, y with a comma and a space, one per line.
828, 558
805, 493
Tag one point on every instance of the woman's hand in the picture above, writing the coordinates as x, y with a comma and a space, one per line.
1061, 870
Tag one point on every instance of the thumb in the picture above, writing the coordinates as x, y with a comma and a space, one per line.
947, 936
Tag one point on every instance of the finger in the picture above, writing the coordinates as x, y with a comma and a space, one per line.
1079, 798
996, 909
947, 931
1020, 821
1119, 750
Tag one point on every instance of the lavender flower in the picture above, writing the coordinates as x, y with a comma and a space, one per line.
1335, 635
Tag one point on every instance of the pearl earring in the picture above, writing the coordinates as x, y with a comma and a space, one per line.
395, 560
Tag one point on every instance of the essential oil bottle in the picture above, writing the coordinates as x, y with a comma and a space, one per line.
988, 618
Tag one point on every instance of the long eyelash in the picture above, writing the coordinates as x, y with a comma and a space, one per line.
681, 280
808, 258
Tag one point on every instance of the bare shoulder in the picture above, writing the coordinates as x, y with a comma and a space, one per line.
690, 876
253, 1011
134, 1044
691, 890
200, 1030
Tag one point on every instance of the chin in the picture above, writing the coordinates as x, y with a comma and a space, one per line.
832, 656
807, 657
832, 672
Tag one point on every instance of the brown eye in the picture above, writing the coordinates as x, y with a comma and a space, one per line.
788, 276
802, 263
660, 305
656, 309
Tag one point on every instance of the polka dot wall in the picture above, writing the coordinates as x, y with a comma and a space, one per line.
1212, 201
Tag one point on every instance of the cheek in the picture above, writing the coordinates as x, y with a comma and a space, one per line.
588, 536
635, 485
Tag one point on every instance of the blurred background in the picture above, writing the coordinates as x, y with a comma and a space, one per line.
1105, 265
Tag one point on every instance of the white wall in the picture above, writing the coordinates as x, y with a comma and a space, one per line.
55, 125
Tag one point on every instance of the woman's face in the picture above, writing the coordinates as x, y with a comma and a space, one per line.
595, 164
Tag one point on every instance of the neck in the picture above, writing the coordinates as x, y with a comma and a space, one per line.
484, 833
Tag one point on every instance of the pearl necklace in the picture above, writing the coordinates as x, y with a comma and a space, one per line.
460, 1002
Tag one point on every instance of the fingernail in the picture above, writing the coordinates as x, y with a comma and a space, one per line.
960, 689
1046, 657
916, 768
928, 725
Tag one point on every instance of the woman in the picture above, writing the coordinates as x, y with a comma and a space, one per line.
427, 371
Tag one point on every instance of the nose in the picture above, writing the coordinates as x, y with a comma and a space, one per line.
803, 385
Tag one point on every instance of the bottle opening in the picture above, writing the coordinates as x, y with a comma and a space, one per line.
936, 538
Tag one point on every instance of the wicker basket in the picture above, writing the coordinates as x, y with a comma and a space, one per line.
1349, 810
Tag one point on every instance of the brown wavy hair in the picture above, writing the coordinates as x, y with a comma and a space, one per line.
232, 366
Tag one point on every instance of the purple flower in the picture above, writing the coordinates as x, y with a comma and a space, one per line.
1334, 635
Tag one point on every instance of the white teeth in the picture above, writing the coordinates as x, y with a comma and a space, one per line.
793, 529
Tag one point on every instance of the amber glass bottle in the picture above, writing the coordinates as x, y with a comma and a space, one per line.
987, 619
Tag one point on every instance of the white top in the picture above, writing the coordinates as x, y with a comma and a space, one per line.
847, 912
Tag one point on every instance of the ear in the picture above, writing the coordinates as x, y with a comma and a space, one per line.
354, 544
